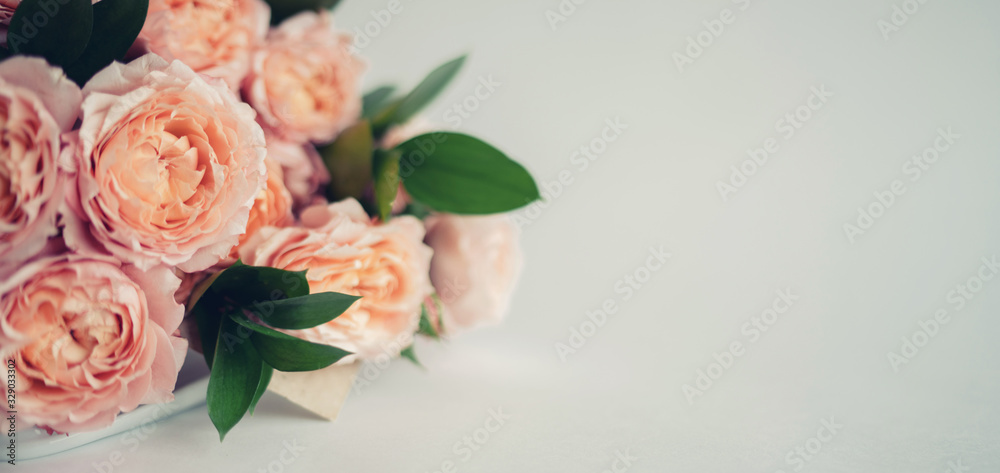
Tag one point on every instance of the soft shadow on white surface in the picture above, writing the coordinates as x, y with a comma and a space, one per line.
192, 383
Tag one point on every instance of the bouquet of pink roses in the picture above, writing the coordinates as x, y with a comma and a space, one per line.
179, 173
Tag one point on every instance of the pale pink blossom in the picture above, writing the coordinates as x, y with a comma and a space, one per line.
89, 338
213, 37
304, 82
477, 261
271, 208
37, 105
303, 169
167, 168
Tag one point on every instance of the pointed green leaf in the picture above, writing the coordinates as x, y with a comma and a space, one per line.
234, 378
427, 90
456, 173
304, 312
373, 101
386, 172
208, 318
411, 355
116, 26
349, 160
265, 378
287, 353
383, 119
282, 9
56, 30
403, 110
253, 285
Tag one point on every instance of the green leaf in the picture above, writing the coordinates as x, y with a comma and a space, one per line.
281, 9
257, 285
426, 326
423, 94
116, 26
57, 30
265, 378
386, 171
374, 100
383, 119
234, 379
207, 313
456, 173
349, 160
304, 312
427, 90
287, 353
411, 355
201, 288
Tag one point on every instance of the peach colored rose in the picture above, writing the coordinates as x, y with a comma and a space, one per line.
344, 251
213, 37
37, 105
303, 168
90, 338
304, 82
167, 168
477, 261
271, 208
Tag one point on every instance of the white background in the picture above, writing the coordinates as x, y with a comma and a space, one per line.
656, 186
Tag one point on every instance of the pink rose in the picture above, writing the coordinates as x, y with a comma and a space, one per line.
167, 168
90, 338
7, 8
303, 168
271, 208
37, 104
477, 261
304, 82
213, 37
344, 251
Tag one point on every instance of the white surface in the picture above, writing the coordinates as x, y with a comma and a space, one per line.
190, 391
655, 186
